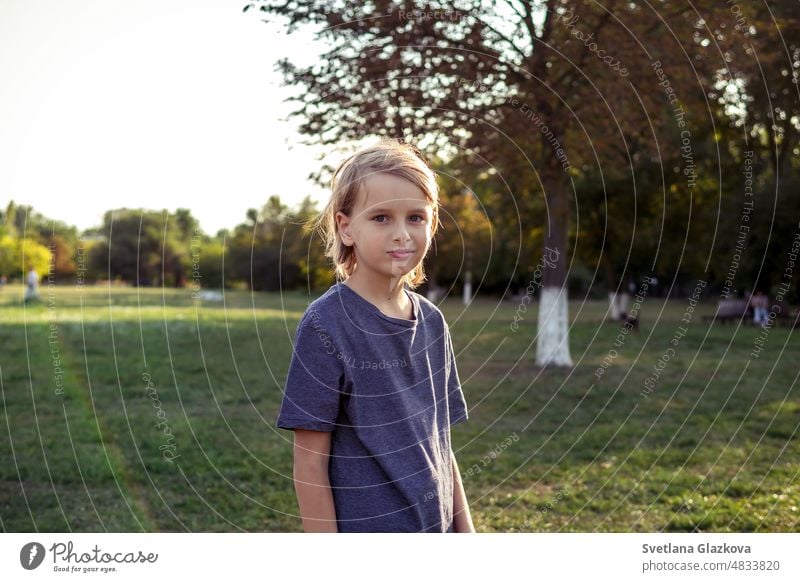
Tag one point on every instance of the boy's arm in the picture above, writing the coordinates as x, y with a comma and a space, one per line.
462, 520
311, 483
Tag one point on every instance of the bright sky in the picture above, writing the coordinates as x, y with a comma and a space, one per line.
108, 104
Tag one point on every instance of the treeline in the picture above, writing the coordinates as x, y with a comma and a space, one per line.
271, 249
143, 247
716, 234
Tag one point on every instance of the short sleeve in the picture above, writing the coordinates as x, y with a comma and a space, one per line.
455, 396
313, 383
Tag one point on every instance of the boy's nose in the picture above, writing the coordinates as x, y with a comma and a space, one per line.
401, 233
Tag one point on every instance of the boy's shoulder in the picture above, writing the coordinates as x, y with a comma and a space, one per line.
430, 311
325, 306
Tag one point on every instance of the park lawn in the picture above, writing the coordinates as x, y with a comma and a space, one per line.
146, 410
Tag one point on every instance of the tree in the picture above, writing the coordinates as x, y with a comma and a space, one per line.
63, 251
313, 268
144, 247
31, 254
8, 250
211, 255
57, 236
188, 226
462, 247
17, 255
270, 251
761, 92
8, 224
530, 88
764, 75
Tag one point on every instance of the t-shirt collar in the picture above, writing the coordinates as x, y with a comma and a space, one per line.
372, 308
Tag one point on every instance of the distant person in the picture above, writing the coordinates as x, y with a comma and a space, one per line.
760, 303
31, 285
3, 282
372, 450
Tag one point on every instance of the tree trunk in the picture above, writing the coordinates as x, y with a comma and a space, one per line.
615, 299
552, 347
614, 305
467, 288
467, 295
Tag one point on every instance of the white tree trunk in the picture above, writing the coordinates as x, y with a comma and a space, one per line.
618, 304
552, 346
624, 301
467, 287
613, 305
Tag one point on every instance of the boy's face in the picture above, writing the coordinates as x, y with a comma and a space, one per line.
391, 214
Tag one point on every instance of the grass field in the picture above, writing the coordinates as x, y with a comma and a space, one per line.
146, 410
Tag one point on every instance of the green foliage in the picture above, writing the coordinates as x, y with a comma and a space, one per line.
464, 240
18, 255
144, 247
273, 250
208, 258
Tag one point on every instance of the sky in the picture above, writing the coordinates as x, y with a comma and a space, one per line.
142, 104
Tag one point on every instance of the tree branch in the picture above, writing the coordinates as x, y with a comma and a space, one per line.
506, 39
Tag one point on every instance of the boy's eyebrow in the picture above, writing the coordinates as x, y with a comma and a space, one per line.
371, 210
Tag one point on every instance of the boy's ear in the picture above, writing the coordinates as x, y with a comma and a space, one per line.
343, 226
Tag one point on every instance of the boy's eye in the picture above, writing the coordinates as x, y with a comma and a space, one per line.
419, 218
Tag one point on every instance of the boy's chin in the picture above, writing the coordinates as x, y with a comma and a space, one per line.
402, 270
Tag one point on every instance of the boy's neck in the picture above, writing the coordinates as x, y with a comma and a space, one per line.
388, 296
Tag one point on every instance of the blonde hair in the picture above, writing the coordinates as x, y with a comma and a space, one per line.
387, 157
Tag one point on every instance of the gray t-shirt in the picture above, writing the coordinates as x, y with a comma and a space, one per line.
388, 389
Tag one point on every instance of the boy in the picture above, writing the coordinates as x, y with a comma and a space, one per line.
373, 388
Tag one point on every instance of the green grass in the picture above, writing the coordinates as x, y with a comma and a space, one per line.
713, 448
